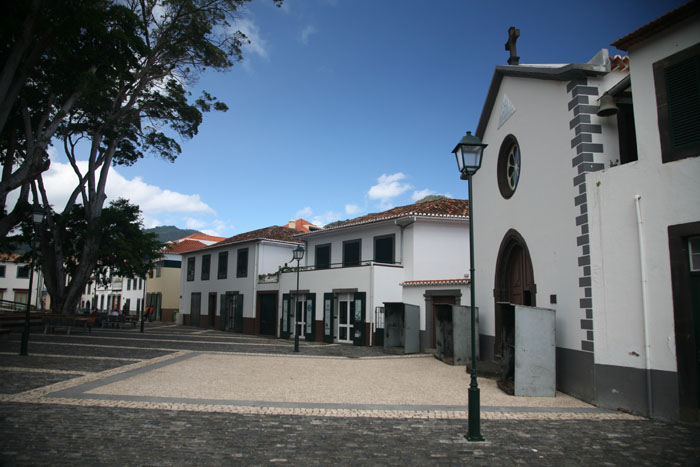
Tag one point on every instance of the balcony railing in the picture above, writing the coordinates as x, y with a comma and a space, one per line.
274, 277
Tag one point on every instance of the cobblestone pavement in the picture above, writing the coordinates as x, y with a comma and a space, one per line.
56, 408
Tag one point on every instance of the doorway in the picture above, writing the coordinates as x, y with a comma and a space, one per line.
438, 300
346, 318
684, 249
300, 322
514, 285
212, 309
268, 313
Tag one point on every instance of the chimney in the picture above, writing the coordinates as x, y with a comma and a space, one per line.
292, 224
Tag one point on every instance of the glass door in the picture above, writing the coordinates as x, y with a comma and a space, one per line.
346, 319
300, 317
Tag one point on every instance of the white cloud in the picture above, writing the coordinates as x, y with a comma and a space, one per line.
388, 187
304, 212
352, 209
220, 228
420, 194
306, 33
195, 224
60, 180
257, 44
326, 218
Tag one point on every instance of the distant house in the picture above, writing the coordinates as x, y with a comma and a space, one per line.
163, 282
415, 254
160, 289
590, 182
219, 283
121, 295
14, 282
302, 225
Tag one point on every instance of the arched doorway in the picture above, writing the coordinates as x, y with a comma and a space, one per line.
514, 285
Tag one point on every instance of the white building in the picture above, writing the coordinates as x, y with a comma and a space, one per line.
221, 284
163, 281
119, 294
416, 254
598, 217
14, 282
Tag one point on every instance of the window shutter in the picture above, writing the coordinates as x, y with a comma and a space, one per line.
683, 91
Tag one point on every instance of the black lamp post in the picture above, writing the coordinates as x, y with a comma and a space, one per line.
298, 255
469, 153
37, 218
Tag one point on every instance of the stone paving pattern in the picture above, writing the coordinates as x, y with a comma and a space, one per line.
38, 428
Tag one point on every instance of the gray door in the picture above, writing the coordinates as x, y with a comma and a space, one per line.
195, 308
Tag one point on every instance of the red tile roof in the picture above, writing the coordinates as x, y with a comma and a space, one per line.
184, 246
210, 238
620, 63
441, 208
660, 24
9, 257
284, 234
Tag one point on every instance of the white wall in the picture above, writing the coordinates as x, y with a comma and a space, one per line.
440, 250
270, 256
670, 194
541, 209
10, 282
365, 233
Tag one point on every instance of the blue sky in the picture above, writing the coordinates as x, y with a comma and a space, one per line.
344, 107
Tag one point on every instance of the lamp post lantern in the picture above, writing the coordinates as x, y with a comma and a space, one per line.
298, 255
469, 152
37, 219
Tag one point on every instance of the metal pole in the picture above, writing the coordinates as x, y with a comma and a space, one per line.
296, 300
474, 433
25, 330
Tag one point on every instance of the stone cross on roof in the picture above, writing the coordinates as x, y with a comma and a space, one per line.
513, 35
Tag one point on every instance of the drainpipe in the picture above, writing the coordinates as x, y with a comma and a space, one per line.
645, 309
255, 282
403, 226
370, 305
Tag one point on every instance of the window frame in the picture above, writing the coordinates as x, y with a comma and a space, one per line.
326, 265
393, 248
668, 152
502, 166
206, 266
23, 268
191, 266
346, 243
242, 271
222, 266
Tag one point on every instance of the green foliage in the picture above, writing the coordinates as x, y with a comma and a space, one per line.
429, 198
123, 246
110, 76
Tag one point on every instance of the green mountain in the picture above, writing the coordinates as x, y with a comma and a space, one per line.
168, 233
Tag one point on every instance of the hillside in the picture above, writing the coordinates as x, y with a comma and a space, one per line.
168, 233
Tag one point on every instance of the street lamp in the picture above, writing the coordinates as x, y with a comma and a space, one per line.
298, 255
37, 218
469, 153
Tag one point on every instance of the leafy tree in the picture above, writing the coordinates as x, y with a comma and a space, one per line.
124, 248
131, 101
51, 50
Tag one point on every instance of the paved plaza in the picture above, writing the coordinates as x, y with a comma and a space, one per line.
178, 395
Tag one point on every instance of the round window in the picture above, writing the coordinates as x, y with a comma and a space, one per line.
509, 166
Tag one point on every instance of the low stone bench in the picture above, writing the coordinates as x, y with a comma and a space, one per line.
83, 322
